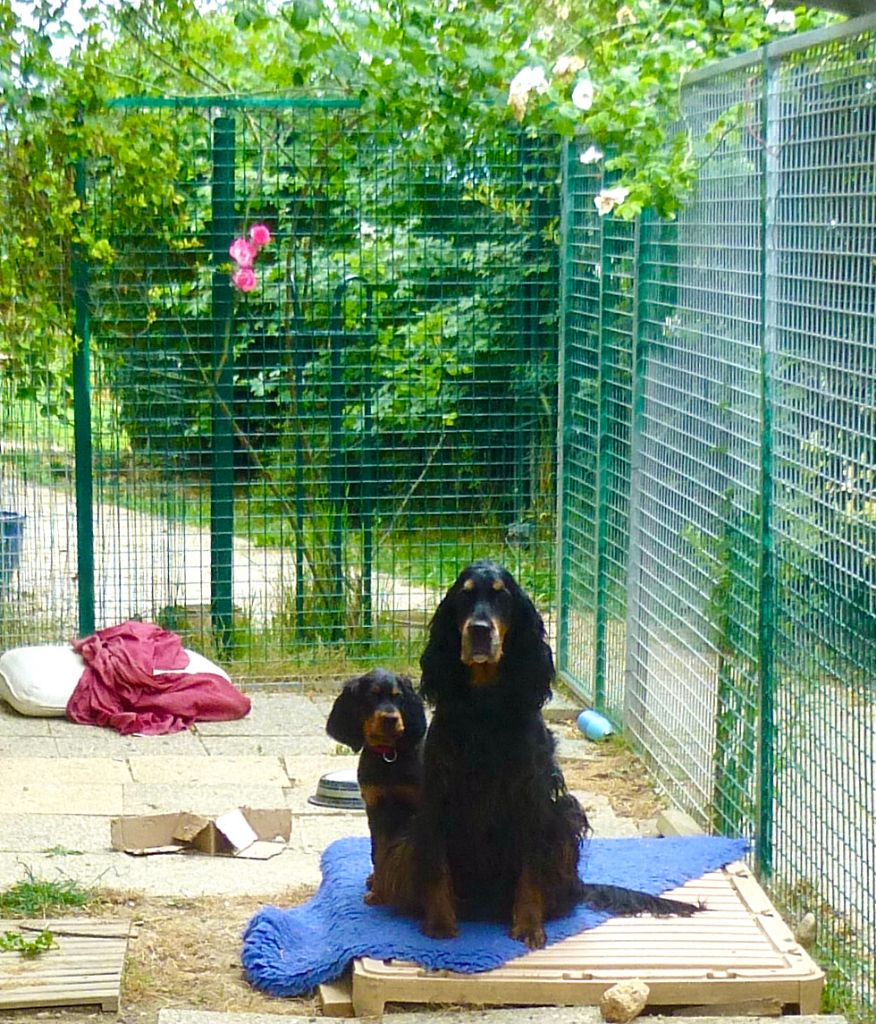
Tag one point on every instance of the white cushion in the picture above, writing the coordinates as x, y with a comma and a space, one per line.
38, 681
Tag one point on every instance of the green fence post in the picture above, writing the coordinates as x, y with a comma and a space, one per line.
634, 690
222, 477
336, 464
601, 489
564, 434
82, 424
771, 123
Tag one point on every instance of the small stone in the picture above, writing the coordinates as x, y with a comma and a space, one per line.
624, 1001
807, 930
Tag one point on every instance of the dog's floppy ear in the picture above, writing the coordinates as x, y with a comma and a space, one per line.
526, 648
412, 710
345, 720
439, 662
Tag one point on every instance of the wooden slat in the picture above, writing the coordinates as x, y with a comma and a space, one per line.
85, 968
737, 950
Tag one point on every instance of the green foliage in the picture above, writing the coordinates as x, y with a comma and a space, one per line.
15, 942
441, 72
34, 897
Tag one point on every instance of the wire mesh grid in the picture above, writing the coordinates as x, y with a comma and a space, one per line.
38, 549
581, 314
824, 515
736, 468
291, 476
693, 700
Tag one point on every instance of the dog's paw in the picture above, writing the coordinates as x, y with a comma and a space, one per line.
440, 928
531, 935
372, 899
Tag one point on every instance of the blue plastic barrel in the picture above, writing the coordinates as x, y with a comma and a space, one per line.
11, 533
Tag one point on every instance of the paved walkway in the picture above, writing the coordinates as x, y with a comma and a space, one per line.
63, 783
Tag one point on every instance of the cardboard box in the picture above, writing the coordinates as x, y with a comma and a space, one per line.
242, 832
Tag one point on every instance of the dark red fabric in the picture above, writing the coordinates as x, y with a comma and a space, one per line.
118, 688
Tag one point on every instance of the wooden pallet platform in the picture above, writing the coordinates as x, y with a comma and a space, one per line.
737, 951
85, 968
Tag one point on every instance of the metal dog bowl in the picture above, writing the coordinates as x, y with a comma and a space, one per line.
339, 790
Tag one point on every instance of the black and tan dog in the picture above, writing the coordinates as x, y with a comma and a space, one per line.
380, 715
497, 835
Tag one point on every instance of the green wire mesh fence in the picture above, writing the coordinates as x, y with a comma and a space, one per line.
718, 507
290, 476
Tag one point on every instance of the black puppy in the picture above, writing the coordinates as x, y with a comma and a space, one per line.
380, 715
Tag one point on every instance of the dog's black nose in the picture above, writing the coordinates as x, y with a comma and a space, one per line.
390, 721
480, 630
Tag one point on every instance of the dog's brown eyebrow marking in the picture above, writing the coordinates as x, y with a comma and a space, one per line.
469, 584
498, 585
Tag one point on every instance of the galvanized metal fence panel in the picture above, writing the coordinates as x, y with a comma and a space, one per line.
736, 465
291, 476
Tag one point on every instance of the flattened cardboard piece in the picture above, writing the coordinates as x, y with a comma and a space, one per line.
188, 826
263, 833
140, 834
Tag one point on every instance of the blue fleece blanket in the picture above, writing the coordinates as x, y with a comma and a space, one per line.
287, 952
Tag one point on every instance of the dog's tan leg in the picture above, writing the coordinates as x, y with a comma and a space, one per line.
439, 907
527, 921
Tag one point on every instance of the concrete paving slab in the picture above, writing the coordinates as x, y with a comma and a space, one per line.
293, 746
28, 746
163, 798
27, 841
48, 796
272, 714
305, 770
312, 833
70, 770
603, 819
173, 874
209, 771
37, 833
91, 741
571, 749
14, 724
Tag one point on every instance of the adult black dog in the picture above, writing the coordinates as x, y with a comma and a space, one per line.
498, 835
382, 716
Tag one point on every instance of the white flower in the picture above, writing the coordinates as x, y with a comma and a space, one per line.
582, 94
609, 198
528, 79
367, 230
784, 21
591, 155
365, 57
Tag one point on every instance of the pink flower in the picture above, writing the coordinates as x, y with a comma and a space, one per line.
244, 279
259, 235
242, 252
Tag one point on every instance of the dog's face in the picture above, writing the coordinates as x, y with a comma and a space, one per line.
483, 601
375, 710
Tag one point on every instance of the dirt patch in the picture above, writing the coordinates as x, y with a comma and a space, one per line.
614, 771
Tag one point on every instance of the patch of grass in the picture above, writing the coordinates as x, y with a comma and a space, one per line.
41, 897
